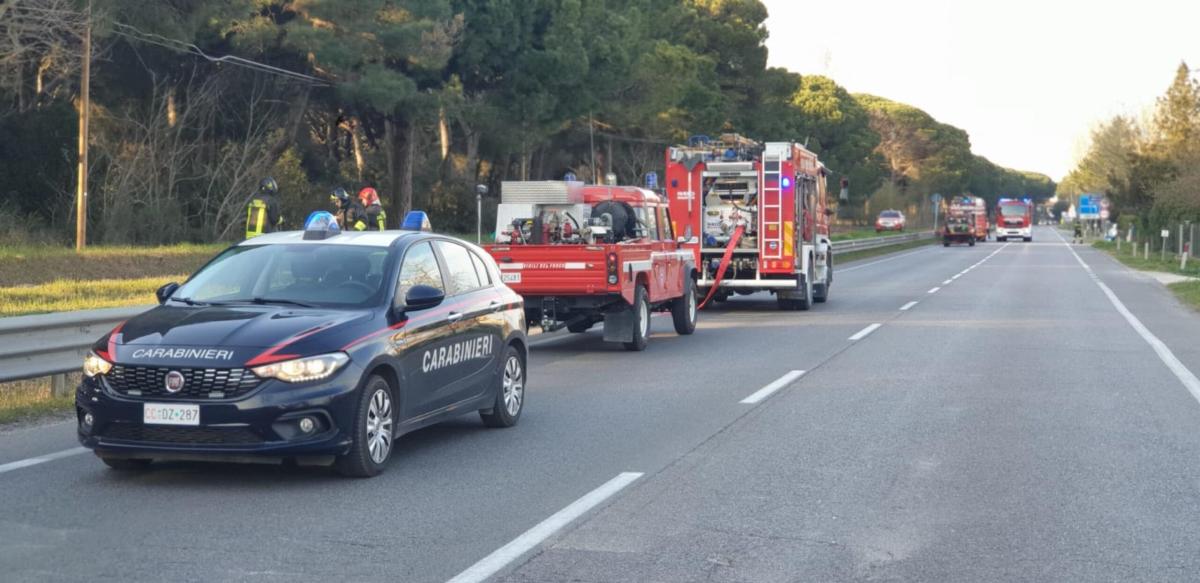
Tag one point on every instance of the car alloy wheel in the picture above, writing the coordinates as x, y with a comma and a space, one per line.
513, 385
379, 426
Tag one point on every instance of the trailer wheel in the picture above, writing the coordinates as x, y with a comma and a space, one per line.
683, 309
641, 320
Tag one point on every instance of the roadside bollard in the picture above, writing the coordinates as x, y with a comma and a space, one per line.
1147, 251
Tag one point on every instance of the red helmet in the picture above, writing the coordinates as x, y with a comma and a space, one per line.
368, 196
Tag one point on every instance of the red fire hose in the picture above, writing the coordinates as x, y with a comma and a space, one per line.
733, 241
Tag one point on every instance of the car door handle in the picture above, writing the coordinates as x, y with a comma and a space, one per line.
494, 306
453, 317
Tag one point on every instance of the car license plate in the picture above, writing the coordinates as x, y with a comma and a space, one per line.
511, 277
170, 414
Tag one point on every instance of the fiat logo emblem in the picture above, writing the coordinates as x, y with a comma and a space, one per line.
174, 382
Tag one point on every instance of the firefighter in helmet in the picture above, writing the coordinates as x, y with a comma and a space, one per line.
262, 211
376, 217
349, 212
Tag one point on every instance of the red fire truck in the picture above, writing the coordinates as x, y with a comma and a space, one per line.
754, 216
974, 207
1014, 219
582, 254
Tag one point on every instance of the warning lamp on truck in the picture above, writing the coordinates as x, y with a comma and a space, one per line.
612, 269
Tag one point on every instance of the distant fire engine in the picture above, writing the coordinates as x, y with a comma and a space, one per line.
1014, 219
755, 217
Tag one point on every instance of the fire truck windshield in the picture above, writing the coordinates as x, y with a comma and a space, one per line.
1012, 210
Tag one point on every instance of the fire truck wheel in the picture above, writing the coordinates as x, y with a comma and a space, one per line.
683, 309
641, 320
971, 242
806, 301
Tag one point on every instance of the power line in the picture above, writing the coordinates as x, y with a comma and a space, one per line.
134, 33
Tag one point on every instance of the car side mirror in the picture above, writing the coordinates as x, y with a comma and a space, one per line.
164, 293
422, 297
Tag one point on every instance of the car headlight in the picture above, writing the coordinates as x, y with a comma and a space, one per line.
94, 365
300, 370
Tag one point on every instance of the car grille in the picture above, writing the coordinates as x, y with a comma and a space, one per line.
181, 435
199, 383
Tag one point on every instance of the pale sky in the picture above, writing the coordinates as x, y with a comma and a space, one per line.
1027, 79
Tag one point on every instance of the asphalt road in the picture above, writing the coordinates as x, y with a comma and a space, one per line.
1013, 424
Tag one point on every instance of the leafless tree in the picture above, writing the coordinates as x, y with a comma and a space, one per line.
39, 50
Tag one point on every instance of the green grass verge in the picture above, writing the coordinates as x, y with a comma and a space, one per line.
68, 295
841, 258
37, 265
1154, 263
1188, 292
33, 399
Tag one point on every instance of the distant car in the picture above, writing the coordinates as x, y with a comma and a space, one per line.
316, 349
890, 220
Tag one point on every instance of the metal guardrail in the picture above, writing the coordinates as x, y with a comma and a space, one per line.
877, 242
50, 344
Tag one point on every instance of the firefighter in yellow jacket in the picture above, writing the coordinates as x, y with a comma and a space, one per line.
351, 215
262, 212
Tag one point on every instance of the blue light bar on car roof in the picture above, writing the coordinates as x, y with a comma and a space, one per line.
416, 221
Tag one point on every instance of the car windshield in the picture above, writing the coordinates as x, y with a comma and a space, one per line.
306, 275
1012, 210
890, 214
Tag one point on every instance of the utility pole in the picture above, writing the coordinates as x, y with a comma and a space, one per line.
85, 106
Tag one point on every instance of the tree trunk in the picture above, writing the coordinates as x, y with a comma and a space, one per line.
390, 154
291, 127
408, 154
444, 132
356, 143
402, 135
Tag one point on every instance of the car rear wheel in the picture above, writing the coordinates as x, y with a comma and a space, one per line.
641, 320
374, 432
510, 396
124, 464
683, 309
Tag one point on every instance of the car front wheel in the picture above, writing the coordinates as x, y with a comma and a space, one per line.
374, 432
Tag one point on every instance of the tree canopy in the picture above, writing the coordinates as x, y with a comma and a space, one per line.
421, 99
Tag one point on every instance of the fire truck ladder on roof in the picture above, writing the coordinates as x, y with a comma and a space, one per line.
770, 220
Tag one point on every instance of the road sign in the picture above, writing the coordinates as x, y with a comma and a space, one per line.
1089, 206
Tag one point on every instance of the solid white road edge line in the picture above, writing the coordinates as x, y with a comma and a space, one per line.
1185, 376
863, 333
41, 459
777, 384
530, 539
933, 291
908, 306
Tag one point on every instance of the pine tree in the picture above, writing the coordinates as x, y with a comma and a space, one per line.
1177, 116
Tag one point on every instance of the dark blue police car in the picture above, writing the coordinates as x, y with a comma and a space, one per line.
316, 346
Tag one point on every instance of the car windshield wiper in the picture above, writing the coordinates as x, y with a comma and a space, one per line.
264, 301
189, 301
